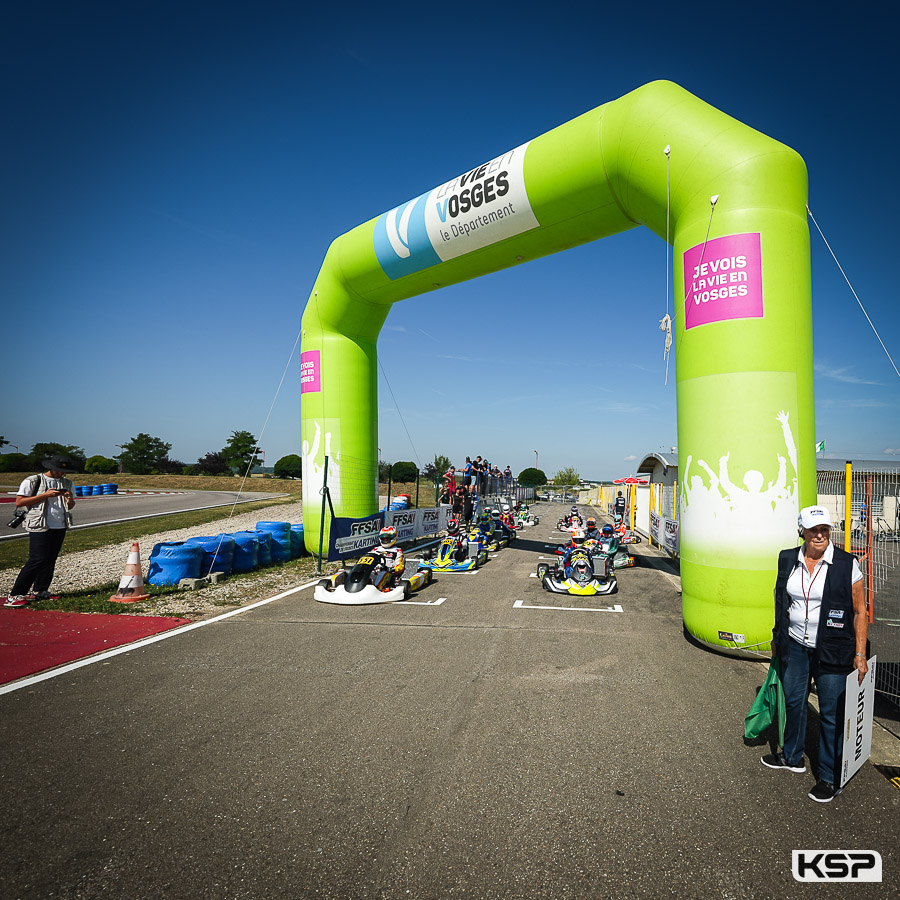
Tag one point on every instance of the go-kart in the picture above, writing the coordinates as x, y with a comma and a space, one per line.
503, 529
619, 557
626, 535
453, 555
567, 523
587, 577
490, 539
369, 581
525, 518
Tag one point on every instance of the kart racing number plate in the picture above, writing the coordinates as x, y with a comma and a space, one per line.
366, 561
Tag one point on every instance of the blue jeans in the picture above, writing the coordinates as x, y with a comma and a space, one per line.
797, 669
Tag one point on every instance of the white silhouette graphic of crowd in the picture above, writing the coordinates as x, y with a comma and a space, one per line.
724, 513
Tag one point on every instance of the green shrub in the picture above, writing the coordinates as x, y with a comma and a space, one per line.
404, 471
290, 466
101, 465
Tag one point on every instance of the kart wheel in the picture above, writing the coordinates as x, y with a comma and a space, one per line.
325, 583
542, 570
407, 590
429, 574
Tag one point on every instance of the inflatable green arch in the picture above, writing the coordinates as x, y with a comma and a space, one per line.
742, 323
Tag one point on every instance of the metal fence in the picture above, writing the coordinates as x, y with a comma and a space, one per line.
865, 507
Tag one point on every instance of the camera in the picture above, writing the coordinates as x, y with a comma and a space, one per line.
18, 518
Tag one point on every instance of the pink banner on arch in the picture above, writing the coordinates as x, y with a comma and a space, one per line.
723, 280
310, 371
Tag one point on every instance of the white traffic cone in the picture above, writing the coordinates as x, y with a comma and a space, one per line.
131, 587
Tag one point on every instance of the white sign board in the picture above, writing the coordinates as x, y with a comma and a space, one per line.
858, 705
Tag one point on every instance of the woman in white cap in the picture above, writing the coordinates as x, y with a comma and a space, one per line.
820, 631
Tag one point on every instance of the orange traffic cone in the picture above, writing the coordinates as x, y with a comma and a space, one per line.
131, 587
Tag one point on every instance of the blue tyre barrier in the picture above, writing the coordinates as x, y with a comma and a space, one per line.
246, 551
97, 490
281, 539
110, 488
218, 553
172, 561
298, 547
265, 547
79, 490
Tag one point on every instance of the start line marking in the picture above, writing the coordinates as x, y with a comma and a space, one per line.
521, 604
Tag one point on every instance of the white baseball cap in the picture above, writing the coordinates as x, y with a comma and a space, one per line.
812, 516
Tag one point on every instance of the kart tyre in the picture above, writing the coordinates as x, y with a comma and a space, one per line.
325, 583
429, 575
542, 570
407, 590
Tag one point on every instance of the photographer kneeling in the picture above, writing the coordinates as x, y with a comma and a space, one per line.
45, 501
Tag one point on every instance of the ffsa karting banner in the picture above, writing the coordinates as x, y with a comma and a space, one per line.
352, 537
417, 523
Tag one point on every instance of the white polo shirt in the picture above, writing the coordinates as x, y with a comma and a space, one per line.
806, 591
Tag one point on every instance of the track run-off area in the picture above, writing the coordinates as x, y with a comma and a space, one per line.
488, 739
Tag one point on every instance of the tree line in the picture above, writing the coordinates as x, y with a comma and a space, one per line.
145, 454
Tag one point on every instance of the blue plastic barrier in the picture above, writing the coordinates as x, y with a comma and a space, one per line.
298, 548
218, 553
172, 561
110, 488
97, 490
246, 551
281, 539
265, 547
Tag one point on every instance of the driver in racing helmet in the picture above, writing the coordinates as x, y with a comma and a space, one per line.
460, 539
608, 535
394, 560
575, 544
590, 530
486, 523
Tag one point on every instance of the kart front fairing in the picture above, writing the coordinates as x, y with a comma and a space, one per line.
582, 580
446, 558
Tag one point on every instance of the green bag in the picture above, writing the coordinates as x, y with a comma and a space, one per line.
768, 706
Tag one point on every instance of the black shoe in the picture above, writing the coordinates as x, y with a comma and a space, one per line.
777, 761
823, 792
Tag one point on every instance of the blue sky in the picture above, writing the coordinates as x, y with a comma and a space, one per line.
173, 173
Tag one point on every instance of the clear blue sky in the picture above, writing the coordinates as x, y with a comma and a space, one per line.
173, 173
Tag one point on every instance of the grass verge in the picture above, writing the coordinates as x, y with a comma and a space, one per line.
13, 554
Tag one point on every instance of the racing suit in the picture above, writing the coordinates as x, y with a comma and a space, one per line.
393, 564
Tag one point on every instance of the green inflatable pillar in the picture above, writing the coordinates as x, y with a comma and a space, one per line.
743, 329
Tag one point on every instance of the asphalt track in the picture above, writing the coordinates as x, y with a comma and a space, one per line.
467, 748
128, 506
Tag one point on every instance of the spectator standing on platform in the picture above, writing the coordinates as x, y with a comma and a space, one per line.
450, 476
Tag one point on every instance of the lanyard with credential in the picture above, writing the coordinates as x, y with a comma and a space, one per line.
806, 594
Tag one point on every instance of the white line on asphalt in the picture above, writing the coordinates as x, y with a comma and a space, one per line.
437, 602
174, 632
520, 604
